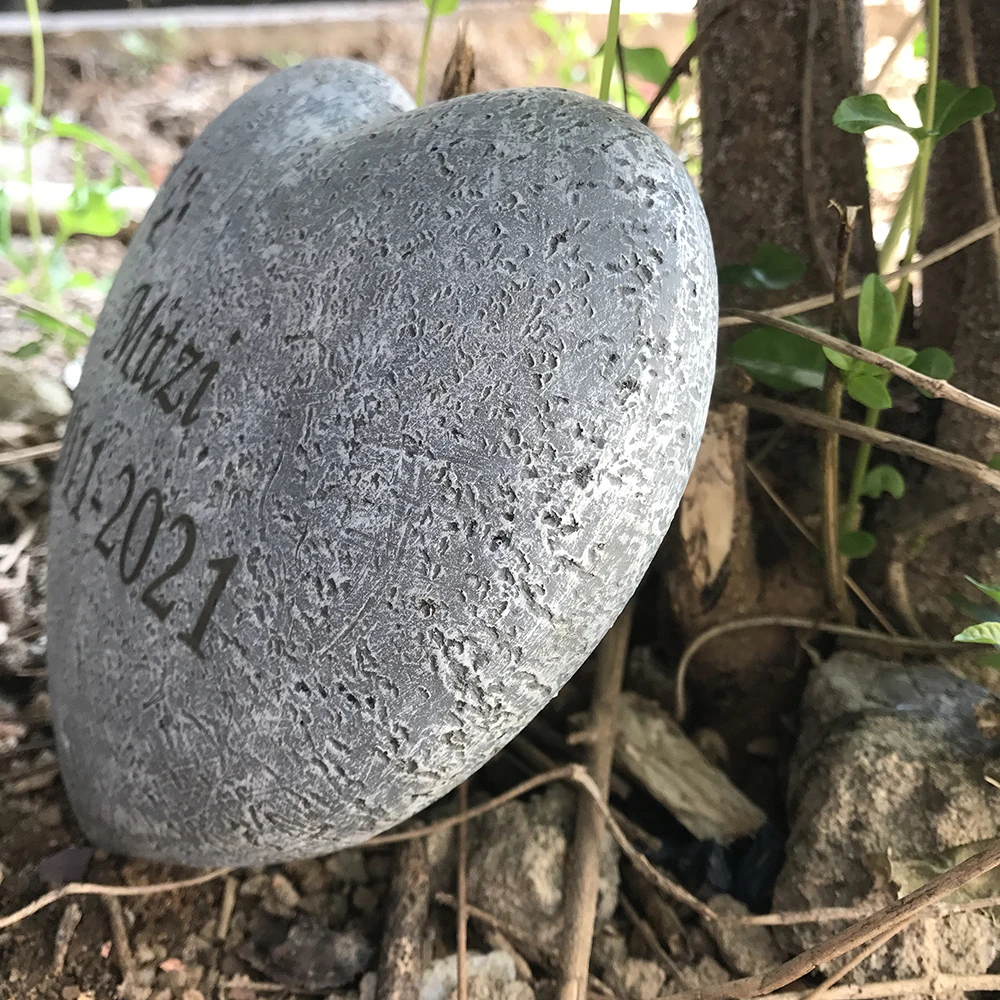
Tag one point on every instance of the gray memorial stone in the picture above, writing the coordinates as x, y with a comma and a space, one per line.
383, 421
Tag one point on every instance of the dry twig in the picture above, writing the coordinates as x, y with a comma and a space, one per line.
580, 900
94, 889
975, 234
925, 453
896, 916
400, 966
460, 74
788, 621
30, 453
936, 387
461, 891
683, 64
68, 923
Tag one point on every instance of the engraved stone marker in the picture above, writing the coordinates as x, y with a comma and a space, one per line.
383, 421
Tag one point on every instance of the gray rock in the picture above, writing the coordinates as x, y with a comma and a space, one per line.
747, 949
441, 978
517, 866
889, 758
379, 430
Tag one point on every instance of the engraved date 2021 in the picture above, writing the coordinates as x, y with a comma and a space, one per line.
131, 532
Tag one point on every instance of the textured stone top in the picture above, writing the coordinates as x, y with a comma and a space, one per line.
385, 417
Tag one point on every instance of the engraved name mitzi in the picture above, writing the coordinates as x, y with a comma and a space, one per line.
384, 418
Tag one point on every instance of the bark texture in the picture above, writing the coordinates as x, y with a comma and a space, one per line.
753, 79
961, 312
772, 73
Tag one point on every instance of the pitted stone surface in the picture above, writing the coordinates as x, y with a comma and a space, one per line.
383, 421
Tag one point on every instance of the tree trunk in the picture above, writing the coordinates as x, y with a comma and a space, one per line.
771, 165
961, 312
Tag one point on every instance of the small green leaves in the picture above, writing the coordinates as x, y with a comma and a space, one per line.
994, 462
439, 7
988, 589
72, 130
876, 314
5, 93
869, 391
934, 363
902, 355
883, 479
865, 111
771, 268
91, 213
841, 361
983, 632
780, 359
30, 350
857, 544
920, 45
953, 107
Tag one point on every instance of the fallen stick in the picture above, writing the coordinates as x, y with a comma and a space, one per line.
400, 966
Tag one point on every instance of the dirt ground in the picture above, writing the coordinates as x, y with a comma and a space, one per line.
153, 98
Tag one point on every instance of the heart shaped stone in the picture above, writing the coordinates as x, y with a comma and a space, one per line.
385, 417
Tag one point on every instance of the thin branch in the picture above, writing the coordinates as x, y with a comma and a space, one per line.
30, 453
835, 914
833, 393
583, 875
979, 132
975, 234
906, 32
896, 916
577, 774
939, 985
791, 621
824, 987
925, 453
623, 74
94, 889
683, 64
936, 387
461, 891
797, 523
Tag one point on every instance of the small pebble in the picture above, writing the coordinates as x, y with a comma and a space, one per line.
284, 892
192, 995
255, 885
50, 816
366, 988
70, 992
162, 995
144, 954
365, 900
347, 866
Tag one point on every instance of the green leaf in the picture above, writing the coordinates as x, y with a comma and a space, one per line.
920, 46
441, 6
5, 93
876, 314
971, 609
934, 362
82, 279
869, 391
883, 479
647, 63
987, 633
990, 590
991, 660
857, 544
994, 462
73, 130
953, 106
841, 361
94, 217
771, 268
30, 350
45, 322
903, 355
864, 111
780, 359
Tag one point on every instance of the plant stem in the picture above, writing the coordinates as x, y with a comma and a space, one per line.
610, 49
833, 394
425, 45
899, 221
30, 135
918, 184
